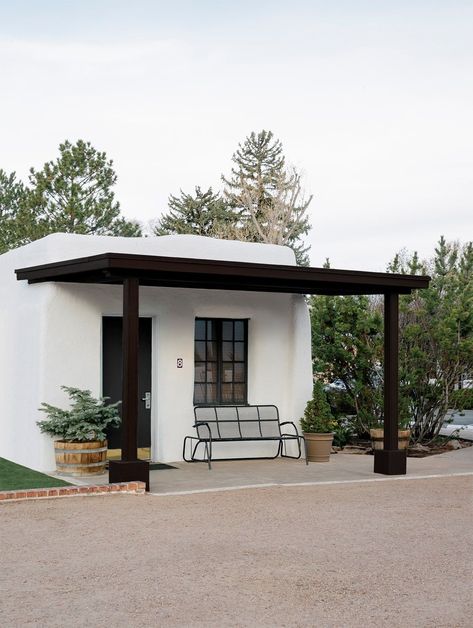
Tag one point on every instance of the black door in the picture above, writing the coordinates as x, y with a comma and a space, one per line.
112, 376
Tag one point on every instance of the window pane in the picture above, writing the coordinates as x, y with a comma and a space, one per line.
227, 351
239, 330
210, 330
227, 372
239, 393
227, 330
211, 393
199, 393
211, 350
200, 330
212, 372
227, 393
199, 354
199, 372
239, 372
239, 351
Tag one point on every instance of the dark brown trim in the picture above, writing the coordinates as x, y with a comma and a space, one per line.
391, 371
391, 460
130, 368
114, 268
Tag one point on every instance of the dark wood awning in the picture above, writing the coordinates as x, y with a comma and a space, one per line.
179, 272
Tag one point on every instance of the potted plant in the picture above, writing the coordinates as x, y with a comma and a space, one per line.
81, 445
317, 425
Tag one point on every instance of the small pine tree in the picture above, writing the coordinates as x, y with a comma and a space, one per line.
318, 418
87, 419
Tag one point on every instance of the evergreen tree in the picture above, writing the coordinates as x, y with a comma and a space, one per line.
14, 219
204, 213
267, 195
259, 163
436, 336
74, 194
347, 346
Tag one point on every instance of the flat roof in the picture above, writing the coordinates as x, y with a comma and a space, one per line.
180, 272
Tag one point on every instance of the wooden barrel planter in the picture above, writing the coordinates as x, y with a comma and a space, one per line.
377, 438
80, 458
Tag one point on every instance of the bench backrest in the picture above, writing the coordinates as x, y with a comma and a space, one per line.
238, 421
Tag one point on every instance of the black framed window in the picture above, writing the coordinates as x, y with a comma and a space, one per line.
220, 361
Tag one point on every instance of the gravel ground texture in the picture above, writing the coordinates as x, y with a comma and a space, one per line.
370, 554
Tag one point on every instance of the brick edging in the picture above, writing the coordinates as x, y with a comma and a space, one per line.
73, 491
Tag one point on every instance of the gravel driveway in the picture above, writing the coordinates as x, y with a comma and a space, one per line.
374, 554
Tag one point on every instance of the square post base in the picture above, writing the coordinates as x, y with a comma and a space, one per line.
129, 471
390, 461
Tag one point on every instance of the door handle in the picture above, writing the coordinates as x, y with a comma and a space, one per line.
147, 400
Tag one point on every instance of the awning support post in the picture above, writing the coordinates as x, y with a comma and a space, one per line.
129, 468
391, 460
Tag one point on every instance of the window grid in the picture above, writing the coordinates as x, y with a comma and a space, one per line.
220, 361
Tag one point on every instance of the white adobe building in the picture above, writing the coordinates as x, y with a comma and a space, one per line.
196, 345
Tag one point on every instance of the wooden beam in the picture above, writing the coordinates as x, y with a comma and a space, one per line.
391, 460
391, 370
129, 468
130, 369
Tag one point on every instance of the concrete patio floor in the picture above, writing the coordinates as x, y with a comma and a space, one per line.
343, 467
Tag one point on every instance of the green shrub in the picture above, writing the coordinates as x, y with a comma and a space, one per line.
343, 431
462, 399
318, 418
86, 420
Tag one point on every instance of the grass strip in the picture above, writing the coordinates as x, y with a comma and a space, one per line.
14, 477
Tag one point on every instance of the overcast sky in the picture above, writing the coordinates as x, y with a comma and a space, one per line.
373, 101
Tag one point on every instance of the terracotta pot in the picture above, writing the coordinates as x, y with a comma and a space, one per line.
80, 458
377, 438
318, 446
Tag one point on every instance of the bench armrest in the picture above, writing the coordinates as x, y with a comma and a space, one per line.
290, 423
200, 424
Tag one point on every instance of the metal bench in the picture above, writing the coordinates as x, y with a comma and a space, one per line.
225, 424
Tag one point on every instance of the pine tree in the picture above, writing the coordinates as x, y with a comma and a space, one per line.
258, 163
267, 195
15, 223
204, 213
74, 194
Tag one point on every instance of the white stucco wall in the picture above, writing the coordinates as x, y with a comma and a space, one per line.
51, 335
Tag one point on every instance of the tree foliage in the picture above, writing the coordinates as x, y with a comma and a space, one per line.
15, 224
436, 341
204, 213
267, 195
346, 333
74, 194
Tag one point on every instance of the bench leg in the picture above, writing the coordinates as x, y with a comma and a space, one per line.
282, 447
184, 449
208, 451
305, 450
